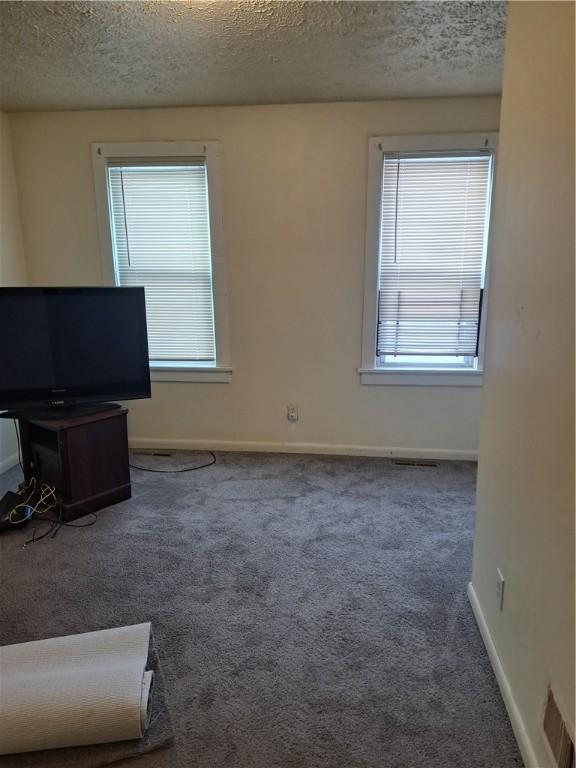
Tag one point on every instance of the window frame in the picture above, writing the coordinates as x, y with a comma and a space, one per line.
102, 154
413, 375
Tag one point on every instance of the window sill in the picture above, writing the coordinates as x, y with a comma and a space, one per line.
406, 377
203, 374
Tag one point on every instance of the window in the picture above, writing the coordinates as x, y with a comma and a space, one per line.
428, 215
159, 217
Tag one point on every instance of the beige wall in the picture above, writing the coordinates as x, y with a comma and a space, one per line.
525, 517
12, 263
294, 180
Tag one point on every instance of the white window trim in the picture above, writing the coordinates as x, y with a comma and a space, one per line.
102, 153
418, 377
161, 370
369, 372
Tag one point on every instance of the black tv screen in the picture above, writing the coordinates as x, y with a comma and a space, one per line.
63, 346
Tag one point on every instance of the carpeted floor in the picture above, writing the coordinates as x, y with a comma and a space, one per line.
310, 612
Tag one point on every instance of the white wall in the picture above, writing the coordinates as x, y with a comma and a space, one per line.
294, 180
12, 263
525, 515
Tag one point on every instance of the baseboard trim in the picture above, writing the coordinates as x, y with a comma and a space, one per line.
527, 748
8, 463
255, 446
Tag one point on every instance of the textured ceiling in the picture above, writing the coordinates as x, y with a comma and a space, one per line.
86, 55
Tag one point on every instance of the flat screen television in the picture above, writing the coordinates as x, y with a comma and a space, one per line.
63, 347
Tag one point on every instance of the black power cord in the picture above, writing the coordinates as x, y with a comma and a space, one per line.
39, 503
55, 524
176, 471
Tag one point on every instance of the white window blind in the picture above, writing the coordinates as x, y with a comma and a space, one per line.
161, 240
433, 238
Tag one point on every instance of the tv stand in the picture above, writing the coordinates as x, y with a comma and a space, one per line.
84, 456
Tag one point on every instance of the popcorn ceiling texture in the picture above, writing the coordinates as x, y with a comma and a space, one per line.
87, 55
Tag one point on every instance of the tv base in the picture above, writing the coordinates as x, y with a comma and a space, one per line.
57, 413
84, 457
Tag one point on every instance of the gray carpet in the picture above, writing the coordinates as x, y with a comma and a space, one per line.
310, 612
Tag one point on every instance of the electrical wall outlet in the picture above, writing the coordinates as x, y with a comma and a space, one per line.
500, 589
292, 412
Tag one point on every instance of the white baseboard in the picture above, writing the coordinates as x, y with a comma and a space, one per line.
185, 444
528, 750
8, 463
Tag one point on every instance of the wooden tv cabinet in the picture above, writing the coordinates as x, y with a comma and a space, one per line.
85, 457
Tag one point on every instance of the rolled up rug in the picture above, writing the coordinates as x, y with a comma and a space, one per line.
95, 688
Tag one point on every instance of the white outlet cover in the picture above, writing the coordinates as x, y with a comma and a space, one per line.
292, 412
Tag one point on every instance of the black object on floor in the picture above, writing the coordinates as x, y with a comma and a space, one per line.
10, 517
